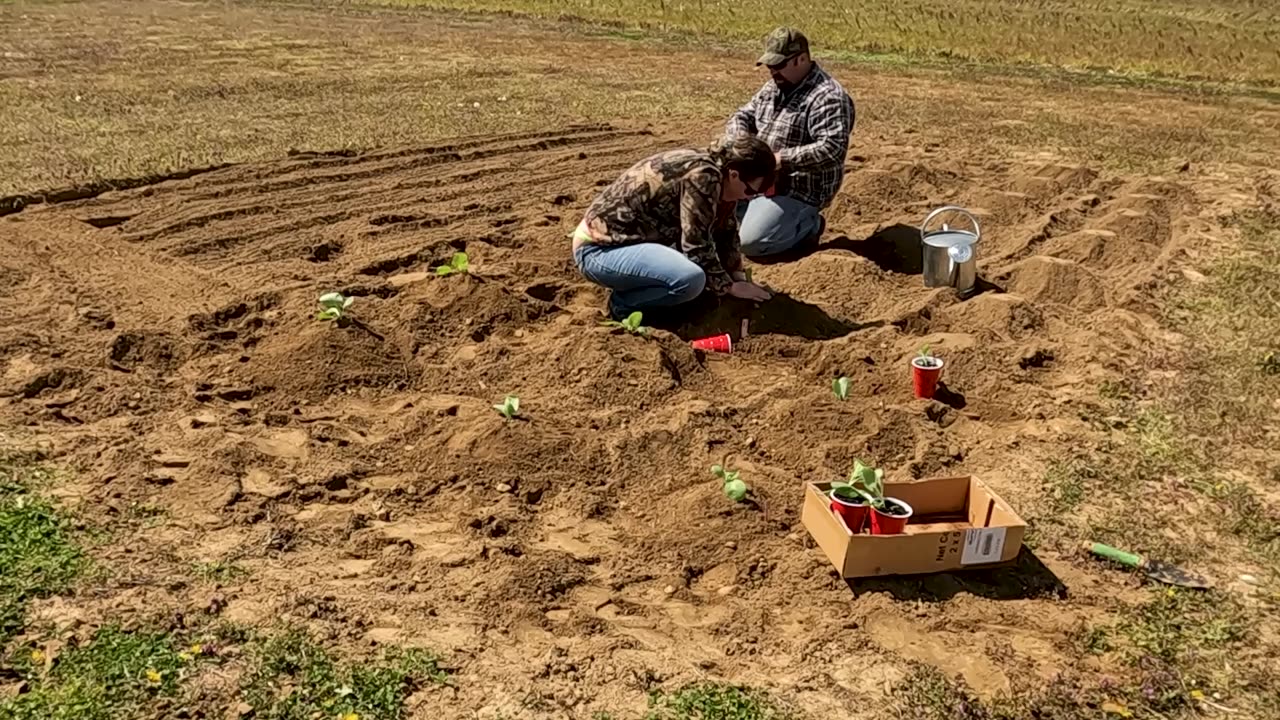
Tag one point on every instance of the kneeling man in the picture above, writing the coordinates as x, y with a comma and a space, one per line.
806, 117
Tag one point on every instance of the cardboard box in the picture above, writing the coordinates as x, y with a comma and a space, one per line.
958, 522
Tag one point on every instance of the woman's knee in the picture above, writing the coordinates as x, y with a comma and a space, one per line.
688, 284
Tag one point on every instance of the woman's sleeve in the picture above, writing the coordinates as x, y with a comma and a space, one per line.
699, 199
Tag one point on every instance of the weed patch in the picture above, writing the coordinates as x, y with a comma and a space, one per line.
712, 701
294, 678
116, 674
38, 553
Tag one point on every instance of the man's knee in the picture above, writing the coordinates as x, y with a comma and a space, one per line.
767, 236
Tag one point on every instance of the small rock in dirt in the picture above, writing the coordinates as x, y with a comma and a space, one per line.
159, 478
670, 589
243, 408
97, 318
234, 394
244, 710
794, 537
200, 420
457, 559
731, 545
1249, 579
407, 279
216, 604
260, 482
173, 461
727, 589
1194, 276
503, 488
519, 333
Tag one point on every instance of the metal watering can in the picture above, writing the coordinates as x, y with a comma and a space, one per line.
950, 255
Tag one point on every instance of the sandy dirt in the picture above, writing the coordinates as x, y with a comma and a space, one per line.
161, 339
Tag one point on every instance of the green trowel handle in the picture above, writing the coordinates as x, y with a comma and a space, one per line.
1119, 556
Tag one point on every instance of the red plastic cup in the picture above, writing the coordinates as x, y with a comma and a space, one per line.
718, 343
925, 379
853, 514
882, 524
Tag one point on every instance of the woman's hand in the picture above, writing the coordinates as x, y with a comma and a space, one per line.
749, 291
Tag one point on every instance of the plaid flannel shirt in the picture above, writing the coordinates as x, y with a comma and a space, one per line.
809, 127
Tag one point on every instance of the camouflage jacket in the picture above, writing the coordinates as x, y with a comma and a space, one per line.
672, 198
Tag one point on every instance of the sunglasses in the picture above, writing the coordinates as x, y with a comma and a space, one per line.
781, 65
753, 191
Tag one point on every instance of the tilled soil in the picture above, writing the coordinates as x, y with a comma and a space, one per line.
163, 340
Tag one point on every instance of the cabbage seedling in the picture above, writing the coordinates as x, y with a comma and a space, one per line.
334, 306
631, 324
734, 488
840, 386
926, 360
458, 264
864, 481
509, 408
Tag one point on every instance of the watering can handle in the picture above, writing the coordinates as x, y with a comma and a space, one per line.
924, 227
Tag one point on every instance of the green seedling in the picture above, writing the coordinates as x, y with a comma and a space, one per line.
865, 482
334, 306
734, 487
926, 359
840, 386
458, 264
631, 324
747, 272
509, 408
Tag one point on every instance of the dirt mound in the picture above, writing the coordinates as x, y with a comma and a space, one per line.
994, 315
1048, 280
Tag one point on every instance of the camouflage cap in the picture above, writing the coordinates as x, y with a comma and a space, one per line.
783, 44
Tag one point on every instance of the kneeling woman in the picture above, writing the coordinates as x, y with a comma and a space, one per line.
667, 229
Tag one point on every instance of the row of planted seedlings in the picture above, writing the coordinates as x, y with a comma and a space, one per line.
860, 501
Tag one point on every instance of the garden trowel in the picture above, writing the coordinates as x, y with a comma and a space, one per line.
1154, 569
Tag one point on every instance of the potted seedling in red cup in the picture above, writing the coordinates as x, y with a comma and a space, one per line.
925, 371
888, 515
851, 499
849, 504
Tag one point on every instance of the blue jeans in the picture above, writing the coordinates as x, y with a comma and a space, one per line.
641, 276
772, 225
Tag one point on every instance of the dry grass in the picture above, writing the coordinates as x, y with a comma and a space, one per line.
192, 85
1228, 40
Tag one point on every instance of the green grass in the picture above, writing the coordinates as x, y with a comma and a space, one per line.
39, 555
148, 673
714, 701
1223, 41
116, 674
294, 678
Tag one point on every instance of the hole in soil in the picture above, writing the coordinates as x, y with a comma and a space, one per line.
324, 252
895, 248
545, 292
107, 221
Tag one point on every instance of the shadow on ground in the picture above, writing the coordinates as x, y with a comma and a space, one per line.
780, 315
895, 248
1025, 578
